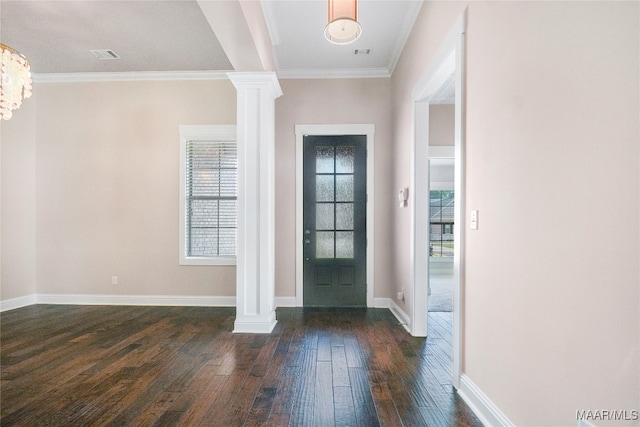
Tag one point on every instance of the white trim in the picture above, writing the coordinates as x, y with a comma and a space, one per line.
402, 317
286, 302
128, 76
199, 133
335, 73
255, 272
441, 186
159, 300
448, 60
419, 236
404, 29
87, 299
442, 152
255, 324
347, 129
381, 303
486, 411
19, 302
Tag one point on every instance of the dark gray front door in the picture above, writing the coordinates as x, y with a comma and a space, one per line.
335, 217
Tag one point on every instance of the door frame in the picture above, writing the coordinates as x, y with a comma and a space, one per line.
319, 130
448, 61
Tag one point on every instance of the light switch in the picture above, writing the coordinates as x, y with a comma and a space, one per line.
474, 220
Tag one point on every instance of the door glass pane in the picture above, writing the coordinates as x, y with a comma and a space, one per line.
324, 216
324, 188
344, 244
344, 216
344, 188
344, 159
324, 244
324, 160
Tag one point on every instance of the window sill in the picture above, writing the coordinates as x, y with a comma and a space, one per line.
208, 261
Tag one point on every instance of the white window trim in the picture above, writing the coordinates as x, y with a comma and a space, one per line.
191, 133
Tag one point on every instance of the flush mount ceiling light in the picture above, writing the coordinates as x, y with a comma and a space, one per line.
343, 26
15, 80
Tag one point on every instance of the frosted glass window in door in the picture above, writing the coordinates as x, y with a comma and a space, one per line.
344, 188
344, 216
325, 159
324, 244
344, 159
344, 244
324, 188
324, 216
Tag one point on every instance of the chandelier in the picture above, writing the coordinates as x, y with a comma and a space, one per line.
15, 80
343, 26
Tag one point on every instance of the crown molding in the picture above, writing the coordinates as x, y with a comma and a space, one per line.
128, 76
360, 73
406, 26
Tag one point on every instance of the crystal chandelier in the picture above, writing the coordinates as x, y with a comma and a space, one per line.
15, 80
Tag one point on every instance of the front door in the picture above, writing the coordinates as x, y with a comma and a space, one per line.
334, 220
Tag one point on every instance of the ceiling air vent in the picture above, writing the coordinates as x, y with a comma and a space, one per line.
362, 51
104, 54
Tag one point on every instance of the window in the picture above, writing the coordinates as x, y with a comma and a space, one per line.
441, 223
208, 195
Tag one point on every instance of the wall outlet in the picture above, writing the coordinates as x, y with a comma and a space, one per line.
114, 280
400, 295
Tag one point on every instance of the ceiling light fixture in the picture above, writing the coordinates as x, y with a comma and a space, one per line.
15, 80
343, 26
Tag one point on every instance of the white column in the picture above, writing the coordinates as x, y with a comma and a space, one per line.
255, 289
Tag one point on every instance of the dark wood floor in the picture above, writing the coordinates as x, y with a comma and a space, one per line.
143, 366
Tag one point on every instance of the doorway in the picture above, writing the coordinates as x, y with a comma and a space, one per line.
334, 271
445, 72
441, 209
334, 220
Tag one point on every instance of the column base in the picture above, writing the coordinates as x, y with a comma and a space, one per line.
255, 324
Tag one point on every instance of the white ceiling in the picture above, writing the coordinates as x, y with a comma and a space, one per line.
174, 35
300, 49
57, 36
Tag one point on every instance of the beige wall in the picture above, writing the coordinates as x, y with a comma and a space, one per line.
551, 304
107, 186
441, 125
18, 170
434, 21
332, 101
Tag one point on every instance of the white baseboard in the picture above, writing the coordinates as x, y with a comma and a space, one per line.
19, 302
159, 300
486, 411
381, 303
286, 302
402, 317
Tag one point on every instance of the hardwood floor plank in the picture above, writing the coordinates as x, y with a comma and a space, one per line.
126, 366
261, 407
339, 366
365, 408
323, 411
344, 409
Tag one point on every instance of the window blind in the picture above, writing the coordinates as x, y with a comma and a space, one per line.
211, 193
